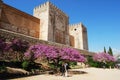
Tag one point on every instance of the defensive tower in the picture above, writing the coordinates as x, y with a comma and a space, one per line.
53, 23
79, 33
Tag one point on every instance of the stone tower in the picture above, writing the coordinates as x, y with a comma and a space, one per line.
54, 24
78, 33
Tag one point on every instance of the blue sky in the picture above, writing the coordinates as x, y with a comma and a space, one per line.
101, 17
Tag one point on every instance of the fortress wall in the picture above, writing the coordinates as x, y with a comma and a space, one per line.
15, 20
11, 35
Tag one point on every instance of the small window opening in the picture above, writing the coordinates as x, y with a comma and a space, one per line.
75, 29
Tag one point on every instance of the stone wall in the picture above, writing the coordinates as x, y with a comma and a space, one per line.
79, 32
11, 35
17, 21
59, 22
54, 23
72, 41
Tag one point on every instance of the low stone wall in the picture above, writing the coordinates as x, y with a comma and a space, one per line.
11, 35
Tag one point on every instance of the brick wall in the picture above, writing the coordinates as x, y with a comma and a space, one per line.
15, 20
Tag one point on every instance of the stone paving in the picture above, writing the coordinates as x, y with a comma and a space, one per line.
91, 74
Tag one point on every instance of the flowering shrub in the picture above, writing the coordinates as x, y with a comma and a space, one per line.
54, 53
35, 51
103, 59
72, 55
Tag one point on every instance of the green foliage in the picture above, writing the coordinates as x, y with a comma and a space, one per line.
110, 51
25, 65
91, 62
104, 49
112, 64
72, 64
52, 66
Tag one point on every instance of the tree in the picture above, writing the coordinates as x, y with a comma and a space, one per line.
53, 54
104, 58
101, 57
104, 49
110, 51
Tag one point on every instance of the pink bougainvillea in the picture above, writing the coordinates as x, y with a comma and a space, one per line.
103, 57
54, 53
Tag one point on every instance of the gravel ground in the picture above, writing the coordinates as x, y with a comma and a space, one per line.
92, 74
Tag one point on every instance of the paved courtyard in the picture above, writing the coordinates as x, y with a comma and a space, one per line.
91, 74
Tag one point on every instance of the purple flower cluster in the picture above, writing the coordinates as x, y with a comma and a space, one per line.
4, 46
15, 45
35, 51
72, 55
54, 53
103, 57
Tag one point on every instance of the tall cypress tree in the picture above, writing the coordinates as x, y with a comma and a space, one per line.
110, 51
104, 50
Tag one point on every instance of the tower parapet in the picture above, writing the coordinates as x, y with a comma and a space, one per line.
57, 9
53, 23
41, 7
79, 32
72, 26
48, 4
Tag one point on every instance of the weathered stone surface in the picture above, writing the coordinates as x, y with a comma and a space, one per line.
79, 32
18, 21
54, 23
48, 23
11, 35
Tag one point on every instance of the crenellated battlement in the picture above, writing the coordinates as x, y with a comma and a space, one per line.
50, 6
57, 9
79, 32
41, 6
72, 26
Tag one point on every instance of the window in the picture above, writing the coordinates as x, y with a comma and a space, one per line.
75, 29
